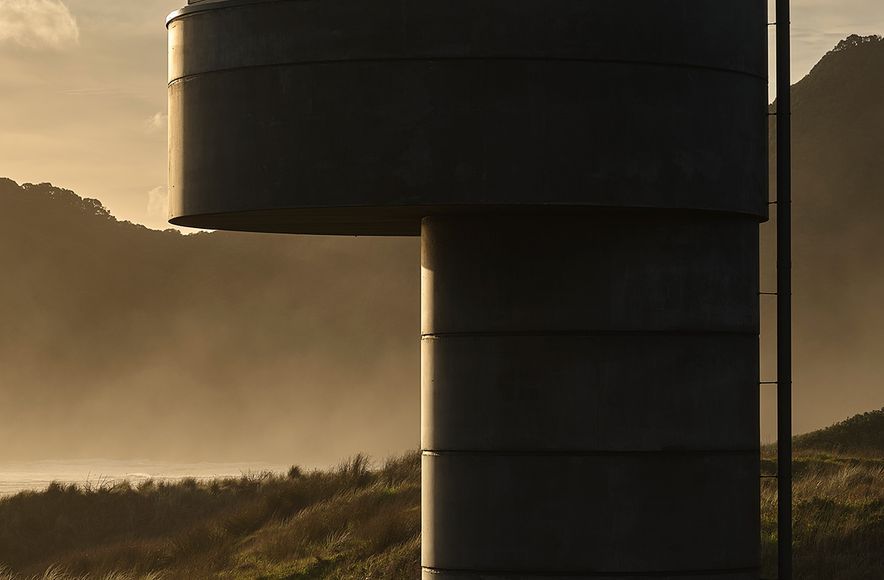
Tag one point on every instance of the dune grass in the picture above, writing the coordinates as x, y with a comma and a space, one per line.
351, 522
838, 515
355, 522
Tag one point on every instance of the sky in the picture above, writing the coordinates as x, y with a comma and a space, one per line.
83, 91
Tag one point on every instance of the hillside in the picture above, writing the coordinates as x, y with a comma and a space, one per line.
345, 523
120, 341
838, 203
838, 509
860, 435
354, 522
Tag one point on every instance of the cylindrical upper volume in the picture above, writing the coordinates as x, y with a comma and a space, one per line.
346, 116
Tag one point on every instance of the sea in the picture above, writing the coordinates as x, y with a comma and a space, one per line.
37, 475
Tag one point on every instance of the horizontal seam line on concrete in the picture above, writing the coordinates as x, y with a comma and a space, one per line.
587, 452
593, 573
687, 66
460, 209
584, 333
192, 9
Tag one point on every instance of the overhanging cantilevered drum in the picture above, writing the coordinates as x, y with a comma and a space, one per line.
587, 178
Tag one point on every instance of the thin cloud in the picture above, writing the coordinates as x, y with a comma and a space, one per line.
38, 24
158, 204
156, 123
95, 92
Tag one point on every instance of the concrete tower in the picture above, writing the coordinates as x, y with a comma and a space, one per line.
587, 178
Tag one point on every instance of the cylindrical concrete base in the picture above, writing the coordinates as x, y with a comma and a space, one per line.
590, 403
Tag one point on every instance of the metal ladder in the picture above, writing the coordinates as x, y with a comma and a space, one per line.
783, 294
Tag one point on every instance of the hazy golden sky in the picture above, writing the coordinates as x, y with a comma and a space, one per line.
83, 91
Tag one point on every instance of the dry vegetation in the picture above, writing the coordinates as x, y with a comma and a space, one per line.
352, 522
357, 523
838, 515
838, 502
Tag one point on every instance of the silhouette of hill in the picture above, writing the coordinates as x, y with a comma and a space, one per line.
859, 435
121, 341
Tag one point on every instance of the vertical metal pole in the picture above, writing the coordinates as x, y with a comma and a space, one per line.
784, 290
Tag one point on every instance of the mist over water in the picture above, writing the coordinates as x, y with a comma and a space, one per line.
37, 475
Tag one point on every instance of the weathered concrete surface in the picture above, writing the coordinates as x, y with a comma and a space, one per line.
565, 512
346, 116
590, 397
618, 271
618, 332
561, 392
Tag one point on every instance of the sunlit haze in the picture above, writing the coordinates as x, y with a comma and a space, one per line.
84, 108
